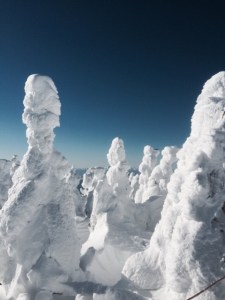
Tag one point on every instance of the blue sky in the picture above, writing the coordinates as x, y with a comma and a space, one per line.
122, 68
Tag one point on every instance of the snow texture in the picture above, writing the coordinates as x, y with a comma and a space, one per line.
186, 248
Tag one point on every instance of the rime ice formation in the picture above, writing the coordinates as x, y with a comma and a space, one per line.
186, 248
115, 234
160, 176
90, 180
37, 221
149, 161
117, 173
134, 184
73, 179
7, 169
113, 192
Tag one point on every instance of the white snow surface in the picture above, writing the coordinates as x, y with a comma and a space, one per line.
187, 245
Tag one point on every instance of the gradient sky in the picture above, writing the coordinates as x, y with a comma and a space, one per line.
122, 68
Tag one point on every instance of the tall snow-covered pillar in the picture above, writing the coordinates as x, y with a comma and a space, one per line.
188, 243
148, 163
114, 236
160, 176
37, 222
113, 192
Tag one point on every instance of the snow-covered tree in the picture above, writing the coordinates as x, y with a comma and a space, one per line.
134, 184
188, 243
89, 183
114, 235
7, 169
148, 163
160, 176
112, 194
37, 221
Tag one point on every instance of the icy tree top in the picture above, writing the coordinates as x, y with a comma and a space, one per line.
168, 157
215, 86
149, 160
41, 111
209, 110
185, 249
116, 152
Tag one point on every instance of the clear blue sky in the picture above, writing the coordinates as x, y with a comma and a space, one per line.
122, 68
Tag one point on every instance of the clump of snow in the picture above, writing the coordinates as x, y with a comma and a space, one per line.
134, 184
187, 245
91, 178
7, 169
90, 181
113, 192
160, 176
37, 223
148, 163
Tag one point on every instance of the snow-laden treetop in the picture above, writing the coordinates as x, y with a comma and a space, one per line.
211, 100
41, 111
116, 152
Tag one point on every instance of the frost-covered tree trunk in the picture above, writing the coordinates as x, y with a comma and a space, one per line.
188, 243
148, 163
37, 221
